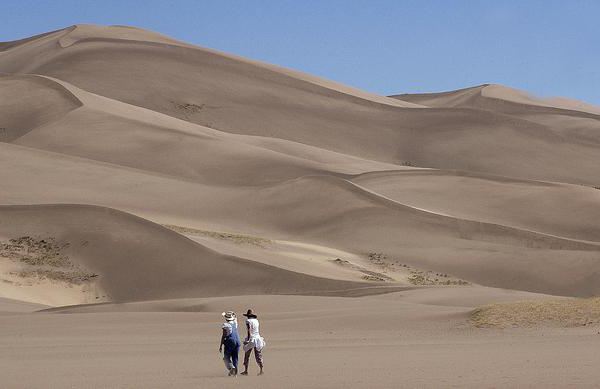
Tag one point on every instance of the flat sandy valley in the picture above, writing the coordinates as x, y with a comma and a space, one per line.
422, 241
396, 340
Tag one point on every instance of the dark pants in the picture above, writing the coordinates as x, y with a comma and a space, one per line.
230, 355
257, 355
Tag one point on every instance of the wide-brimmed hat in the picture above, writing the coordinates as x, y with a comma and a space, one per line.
250, 314
229, 315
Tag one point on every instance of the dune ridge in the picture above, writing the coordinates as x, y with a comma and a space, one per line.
28, 102
499, 97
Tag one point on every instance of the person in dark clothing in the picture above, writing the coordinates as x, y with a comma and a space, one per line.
230, 341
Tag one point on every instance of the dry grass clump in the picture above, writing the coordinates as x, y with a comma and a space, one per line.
558, 312
35, 252
76, 277
416, 276
421, 277
368, 275
236, 238
187, 109
375, 277
428, 277
43, 259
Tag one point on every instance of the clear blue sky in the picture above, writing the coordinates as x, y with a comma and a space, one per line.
550, 48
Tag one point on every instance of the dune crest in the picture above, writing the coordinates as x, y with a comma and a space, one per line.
80, 32
517, 96
484, 96
27, 102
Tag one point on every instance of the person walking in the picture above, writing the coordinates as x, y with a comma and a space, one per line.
230, 338
253, 341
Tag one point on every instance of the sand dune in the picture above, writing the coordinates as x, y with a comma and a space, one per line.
136, 259
567, 120
187, 150
508, 94
498, 97
251, 148
9, 306
82, 32
358, 221
569, 211
240, 96
27, 102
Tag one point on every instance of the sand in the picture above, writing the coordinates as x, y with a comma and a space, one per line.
148, 185
315, 342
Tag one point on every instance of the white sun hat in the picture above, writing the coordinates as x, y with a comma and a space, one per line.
229, 315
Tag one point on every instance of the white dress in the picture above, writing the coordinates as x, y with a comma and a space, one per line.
255, 341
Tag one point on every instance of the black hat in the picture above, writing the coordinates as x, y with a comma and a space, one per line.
250, 314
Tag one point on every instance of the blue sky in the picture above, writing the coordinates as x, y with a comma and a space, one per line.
550, 48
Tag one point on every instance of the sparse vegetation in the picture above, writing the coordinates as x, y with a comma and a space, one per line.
377, 258
43, 259
340, 261
36, 252
4, 134
368, 275
190, 109
374, 278
557, 312
420, 277
417, 276
236, 238
76, 277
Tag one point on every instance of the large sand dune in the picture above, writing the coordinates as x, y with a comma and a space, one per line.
239, 96
178, 172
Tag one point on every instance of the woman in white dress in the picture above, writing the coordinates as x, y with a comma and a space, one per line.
253, 341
